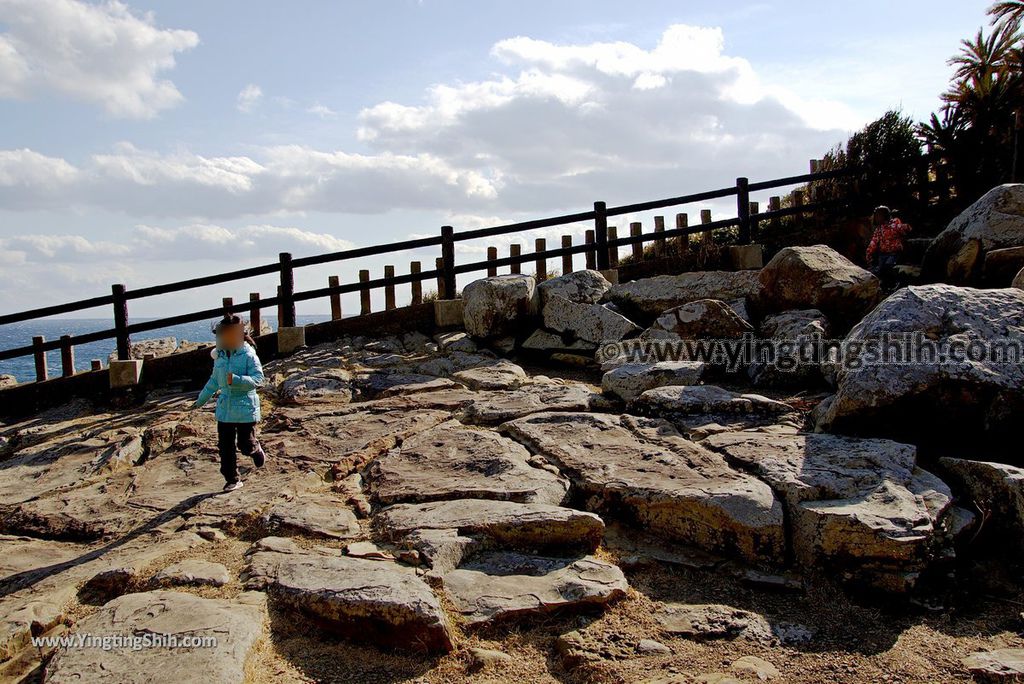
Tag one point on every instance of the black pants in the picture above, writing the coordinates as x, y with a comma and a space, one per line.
227, 435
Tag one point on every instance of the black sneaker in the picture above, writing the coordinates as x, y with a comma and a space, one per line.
259, 457
232, 486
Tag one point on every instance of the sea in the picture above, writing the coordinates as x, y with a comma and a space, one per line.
20, 334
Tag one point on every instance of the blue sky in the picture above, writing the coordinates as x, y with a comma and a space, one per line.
143, 142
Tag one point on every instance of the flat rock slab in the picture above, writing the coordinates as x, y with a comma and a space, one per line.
860, 504
192, 572
630, 380
713, 621
452, 461
496, 586
519, 525
1000, 665
996, 487
370, 600
333, 520
316, 384
235, 625
492, 408
690, 407
661, 480
496, 375
591, 323
647, 298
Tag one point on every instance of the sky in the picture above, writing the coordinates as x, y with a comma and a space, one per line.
144, 142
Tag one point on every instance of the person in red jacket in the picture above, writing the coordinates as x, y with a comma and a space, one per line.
886, 241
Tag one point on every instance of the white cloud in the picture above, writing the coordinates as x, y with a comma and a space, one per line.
323, 111
249, 97
99, 53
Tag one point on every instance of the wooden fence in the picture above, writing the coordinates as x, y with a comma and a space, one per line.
600, 245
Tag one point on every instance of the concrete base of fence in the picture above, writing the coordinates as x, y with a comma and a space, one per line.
125, 373
746, 257
290, 338
448, 313
611, 275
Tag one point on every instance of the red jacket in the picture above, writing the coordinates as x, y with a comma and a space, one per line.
888, 238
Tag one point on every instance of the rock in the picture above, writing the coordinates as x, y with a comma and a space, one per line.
485, 657
368, 550
999, 665
713, 621
541, 340
631, 380
8, 381
799, 364
1018, 280
452, 461
996, 221
498, 305
332, 520
497, 407
817, 277
933, 398
755, 667
496, 375
592, 645
455, 341
509, 524
645, 469
1000, 266
443, 550
160, 346
856, 506
383, 603
387, 384
192, 572
316, 384
699, 320
581, 287
233, 626
645, 299
652, 647
497, 586
590, 323
995, 488
689, 407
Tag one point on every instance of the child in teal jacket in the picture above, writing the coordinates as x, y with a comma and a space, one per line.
237, 373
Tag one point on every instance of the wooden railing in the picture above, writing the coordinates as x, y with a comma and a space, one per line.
600, 246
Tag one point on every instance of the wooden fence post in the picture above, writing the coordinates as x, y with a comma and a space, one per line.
798, 201
539, 245
96, 365
255, 315
601, 235
755, 223
705, 218
636, 229
287, 303
67, 356
588, 239
124, 351
775, 204
280, 311
40, 357
335, 282
448, 255
226, 303
566, 258
439, 267
743, 209
389, 288
417, 285
659, 242
683, 221
515, 250
613, 252
492, 256
364, 293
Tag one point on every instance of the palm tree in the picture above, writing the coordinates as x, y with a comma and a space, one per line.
1010, 12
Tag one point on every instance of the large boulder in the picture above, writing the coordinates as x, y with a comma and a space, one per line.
859, 507
630, 380
698, 320
697, 406
498, 305
995, 488
645, 299
644, 469
794, 334
1001, 266
582, 287
996, 221
817, 277
1018, 280
964, 382
589, 323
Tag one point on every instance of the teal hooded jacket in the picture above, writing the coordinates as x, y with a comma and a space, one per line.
237, 402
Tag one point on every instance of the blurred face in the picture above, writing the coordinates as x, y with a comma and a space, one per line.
231, 336
880, 217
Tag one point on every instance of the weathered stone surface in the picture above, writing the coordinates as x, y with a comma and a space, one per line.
495, 586
509, 524
543, 340
817, 277
999, 665
316, 384
1001, 266
713, 621
8, 380
380, 602
591, 323
313, 518
996, 488
699, 320
856, 505
1018, 280
455, 341
192, 572
497, 407
646, 469
955, 394
630, 380
236, 625
159, 346
451, 461
996, 221
758, 668
688, 407
497, 305
390, 383
797, 329
581, 287
647, 298
496, 375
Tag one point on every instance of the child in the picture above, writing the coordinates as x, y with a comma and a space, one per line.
237, 373
886, 241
